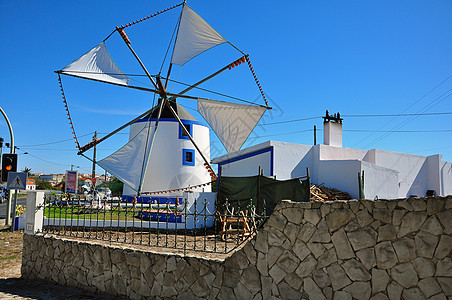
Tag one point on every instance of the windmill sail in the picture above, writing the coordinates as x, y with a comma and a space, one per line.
231, 122
97, 64
125, 162
194, 37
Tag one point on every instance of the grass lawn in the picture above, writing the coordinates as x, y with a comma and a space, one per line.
81, 213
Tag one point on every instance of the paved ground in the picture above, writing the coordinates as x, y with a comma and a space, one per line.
17, 288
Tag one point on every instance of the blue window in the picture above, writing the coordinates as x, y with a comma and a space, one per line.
182, 134
188, 157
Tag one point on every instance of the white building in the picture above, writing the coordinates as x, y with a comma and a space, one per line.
173, 163
387, 175
31, 185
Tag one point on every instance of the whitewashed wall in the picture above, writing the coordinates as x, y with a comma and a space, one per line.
446, 178
380, 182
412, 170
288, 157
387, 174
165, 170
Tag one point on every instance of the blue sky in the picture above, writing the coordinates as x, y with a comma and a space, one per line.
352, 57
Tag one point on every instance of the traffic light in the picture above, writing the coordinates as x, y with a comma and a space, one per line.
9, 164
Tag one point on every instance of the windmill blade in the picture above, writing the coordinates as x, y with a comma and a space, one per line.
124, 162
97, 64
193, 37
232, 122
91, 144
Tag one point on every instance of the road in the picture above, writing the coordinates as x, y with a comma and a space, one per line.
20, 201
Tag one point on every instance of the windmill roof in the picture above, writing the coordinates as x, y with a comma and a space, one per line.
166, 113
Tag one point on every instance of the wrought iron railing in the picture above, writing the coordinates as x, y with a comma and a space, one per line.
188, 224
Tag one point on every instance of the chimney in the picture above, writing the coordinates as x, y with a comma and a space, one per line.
332, 130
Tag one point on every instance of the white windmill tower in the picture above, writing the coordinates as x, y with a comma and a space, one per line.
173, 164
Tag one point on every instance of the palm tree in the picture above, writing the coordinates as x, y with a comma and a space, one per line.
27, 170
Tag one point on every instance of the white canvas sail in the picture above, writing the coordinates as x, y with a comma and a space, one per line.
98, 65
125, 162
194, 37
231, 122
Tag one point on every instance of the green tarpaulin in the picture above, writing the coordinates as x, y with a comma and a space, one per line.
260, 191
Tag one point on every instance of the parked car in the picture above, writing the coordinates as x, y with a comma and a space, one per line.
3, 194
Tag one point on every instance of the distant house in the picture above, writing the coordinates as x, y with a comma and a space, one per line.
387, 175
54, 179
31, 185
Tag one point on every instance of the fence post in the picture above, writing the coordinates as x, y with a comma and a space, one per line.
34, 215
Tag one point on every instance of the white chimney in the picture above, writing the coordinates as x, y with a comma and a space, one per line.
332, 130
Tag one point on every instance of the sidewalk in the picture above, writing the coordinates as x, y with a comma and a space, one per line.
17, 288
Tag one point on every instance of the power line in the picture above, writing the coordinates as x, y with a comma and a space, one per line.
432, 103
425, 95
50, 143
290, 121
284, 133
400, 131
363, 116
49, 162
398, 115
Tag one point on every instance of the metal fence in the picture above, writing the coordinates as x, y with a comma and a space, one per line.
171, 222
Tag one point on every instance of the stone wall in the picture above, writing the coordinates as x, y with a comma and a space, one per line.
342, 250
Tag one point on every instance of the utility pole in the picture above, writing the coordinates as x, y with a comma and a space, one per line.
315, 135
94, 160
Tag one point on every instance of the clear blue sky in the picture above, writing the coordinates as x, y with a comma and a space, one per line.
355, 57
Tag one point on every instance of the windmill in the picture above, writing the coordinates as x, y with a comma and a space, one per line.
136, 163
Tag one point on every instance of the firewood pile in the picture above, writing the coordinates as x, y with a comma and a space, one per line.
322, 193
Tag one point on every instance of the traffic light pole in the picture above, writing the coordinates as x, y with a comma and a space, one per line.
14, 206
11, 134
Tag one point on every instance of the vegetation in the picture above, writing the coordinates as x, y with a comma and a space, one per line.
43, 184
116, 186
27, 170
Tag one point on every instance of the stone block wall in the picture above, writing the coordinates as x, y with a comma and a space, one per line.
398, 249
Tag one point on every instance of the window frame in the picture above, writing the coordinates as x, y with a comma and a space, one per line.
181, 132
184, 157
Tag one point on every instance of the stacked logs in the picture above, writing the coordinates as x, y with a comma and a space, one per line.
322, 193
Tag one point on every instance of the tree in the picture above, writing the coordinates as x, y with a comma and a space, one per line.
116, 186
43, 184
27, 170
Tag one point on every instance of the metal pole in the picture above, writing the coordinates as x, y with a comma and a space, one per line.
11, 134
14, 210
94, 160
146, 158
127, 41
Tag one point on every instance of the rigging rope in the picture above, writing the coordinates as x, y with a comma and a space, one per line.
255, 78
169, 46
68, 113
150, 16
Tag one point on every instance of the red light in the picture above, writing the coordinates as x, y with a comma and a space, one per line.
8, 168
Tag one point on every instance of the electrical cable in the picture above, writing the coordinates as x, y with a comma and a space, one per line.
56, 141
428, 106
422, 97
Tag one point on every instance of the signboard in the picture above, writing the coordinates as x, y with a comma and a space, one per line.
17, 181
71, 182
